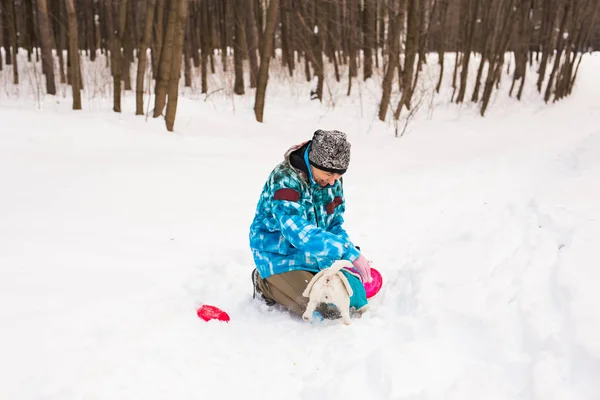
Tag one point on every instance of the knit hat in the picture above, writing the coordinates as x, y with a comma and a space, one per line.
329, 151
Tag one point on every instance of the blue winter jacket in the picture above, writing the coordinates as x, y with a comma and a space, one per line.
298, 223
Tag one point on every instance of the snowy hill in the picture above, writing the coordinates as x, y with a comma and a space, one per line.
486, 230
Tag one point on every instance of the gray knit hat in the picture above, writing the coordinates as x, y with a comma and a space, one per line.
329, 151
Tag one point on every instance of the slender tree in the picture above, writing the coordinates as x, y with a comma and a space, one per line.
117, 68
252, 38
139, 85
412, 49
165, 65
46, 45
393, 57
182, 7
265, 57
13, 40
238, 46
74, 54
369, 38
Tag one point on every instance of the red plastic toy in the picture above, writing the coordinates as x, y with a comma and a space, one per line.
207, 313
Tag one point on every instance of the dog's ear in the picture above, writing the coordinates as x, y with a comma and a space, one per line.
346, 283
315, 278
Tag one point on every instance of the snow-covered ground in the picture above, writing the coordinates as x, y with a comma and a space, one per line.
113, 231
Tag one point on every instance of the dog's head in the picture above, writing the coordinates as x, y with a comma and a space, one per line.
329, 283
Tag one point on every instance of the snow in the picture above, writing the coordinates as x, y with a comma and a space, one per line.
114, 231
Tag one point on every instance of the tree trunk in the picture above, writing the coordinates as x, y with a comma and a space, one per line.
192, 27
238, 46
548, 22
182, 7
319, 38
251, 36
6, 35
442, 44
90, 23
520, 44
331, 42
27, 32
62, 39
1, 36
139, 84
46, 45
369, 39
74, 54
559, 50
590, 26
412, 48
158, 36
265, 56
116, 56
396, 24
351, 43
128, 40
287, 54
110, 31
164, 71
205, 45
13, 40
468, 48
497, 56
487, 33
187, 49
224, 32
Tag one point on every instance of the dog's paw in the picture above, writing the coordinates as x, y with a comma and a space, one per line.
307, 317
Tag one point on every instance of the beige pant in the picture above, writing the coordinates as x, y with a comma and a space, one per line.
286, 289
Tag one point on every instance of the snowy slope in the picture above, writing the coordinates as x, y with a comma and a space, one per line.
486, 231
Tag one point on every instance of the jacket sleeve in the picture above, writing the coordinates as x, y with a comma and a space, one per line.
308, 237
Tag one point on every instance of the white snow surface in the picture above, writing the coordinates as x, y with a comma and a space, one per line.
114, 231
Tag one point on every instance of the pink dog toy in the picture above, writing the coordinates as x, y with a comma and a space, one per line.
372, 288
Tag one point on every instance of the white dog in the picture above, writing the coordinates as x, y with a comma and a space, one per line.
329, 286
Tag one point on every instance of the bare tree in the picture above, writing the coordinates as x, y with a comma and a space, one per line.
442, 44
142, 56
397, 13
116, 54
158, 36
521, 39
369, 39
352, 45
560, 46
550, 13
504, 22
265, 56
205, 45
6, 35
471, 23
238, 46
1, 35
182, 7
13, 40
412, 49
165, 64
487, 37
74, 54
46, 45
252, 39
